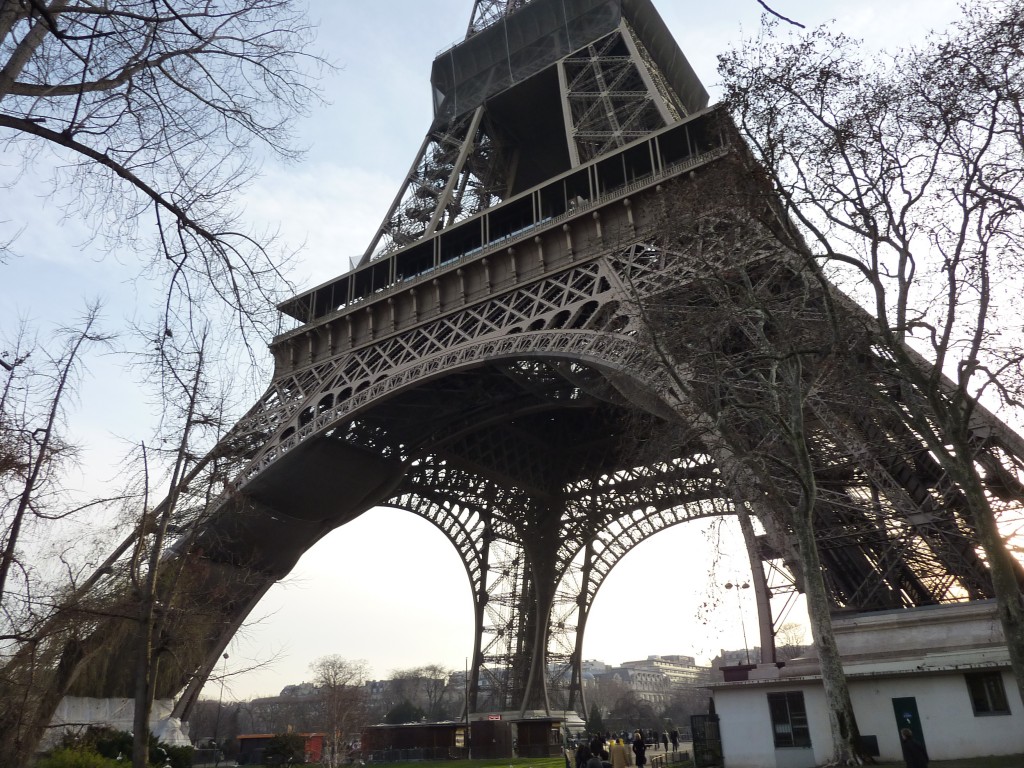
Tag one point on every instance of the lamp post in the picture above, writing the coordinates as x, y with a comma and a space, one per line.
468, 738
739, 604
220, 702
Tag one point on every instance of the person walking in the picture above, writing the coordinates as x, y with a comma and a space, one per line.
675, 740
617, 753
597, 745
914, 753
582, 755
639, 749
664, 739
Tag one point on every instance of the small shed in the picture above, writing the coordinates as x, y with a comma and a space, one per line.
414, 741
252, 746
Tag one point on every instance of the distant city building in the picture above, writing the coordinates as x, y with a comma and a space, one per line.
652, 687
734, 658
377, 694
680, 670
302, 689
296, 708
655, 680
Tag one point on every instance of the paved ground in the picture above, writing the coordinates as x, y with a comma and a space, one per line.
1009, 761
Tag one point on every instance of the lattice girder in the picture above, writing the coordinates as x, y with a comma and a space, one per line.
611, 91
548, 385
463, 367
496, 375
609, 99
487, 12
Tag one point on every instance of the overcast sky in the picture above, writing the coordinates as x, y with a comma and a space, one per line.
388, 588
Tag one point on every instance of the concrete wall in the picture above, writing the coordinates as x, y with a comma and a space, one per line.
937, 629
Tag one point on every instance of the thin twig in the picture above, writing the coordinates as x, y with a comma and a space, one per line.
778, 15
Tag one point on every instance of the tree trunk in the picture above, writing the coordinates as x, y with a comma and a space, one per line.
1009, 599
842, 721
946, 405
843, 724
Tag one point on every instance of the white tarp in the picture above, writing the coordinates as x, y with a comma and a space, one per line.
76, 713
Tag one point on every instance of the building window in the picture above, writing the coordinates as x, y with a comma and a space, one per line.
789, 719
988, 697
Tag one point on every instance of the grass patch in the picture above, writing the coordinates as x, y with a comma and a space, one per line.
496, 762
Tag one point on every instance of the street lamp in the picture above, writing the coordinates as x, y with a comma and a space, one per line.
220, 702
739, 603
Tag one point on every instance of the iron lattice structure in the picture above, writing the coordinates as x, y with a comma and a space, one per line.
492, 366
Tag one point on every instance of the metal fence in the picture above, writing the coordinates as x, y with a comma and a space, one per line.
403, 755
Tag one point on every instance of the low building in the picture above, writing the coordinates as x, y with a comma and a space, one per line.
942, 671
252, 746
414, 741
490, 736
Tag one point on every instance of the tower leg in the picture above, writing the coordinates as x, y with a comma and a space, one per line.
759, 581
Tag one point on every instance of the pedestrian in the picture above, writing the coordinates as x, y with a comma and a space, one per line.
664, 739
594, 761
639, 749
914, 753
675, 740
582, 755
617, 752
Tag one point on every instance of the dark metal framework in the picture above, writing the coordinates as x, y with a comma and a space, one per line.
489, 368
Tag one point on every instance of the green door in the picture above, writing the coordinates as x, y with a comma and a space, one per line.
905, 710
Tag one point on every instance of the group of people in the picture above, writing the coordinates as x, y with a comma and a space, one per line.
614, 752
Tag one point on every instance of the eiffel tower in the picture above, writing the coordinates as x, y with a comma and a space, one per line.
487, 366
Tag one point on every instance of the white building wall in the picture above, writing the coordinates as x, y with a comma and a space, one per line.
951, 729
746, 727
923, 653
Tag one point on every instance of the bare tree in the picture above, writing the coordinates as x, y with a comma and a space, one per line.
153, 577
791, 638
154, 111
35, 402
629, 711
340, 684
686, 701
32, 411
605, 693
904, 175
747, 332
153, 114
426, 687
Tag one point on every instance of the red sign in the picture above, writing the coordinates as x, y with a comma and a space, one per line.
494, 717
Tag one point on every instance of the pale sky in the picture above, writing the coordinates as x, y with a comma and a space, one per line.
388, 588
